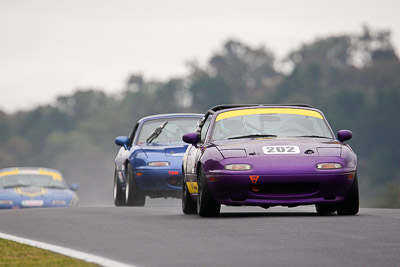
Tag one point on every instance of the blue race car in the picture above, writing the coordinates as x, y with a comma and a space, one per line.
32, 187
149, 162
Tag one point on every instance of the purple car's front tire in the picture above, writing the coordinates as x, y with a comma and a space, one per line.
206, 204
325, 208
350, 205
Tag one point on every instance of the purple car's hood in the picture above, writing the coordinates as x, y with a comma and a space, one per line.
267, 147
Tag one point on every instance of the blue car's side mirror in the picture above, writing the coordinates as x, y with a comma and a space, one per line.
344, 135
122, 141
74, 187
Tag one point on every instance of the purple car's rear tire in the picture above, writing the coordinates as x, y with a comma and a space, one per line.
118, 194
134, 197
206, 204
188, 205
350, 205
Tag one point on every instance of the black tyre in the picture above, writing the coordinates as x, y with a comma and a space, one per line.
350, 205
188, 205
118, 192
206, 204
134, 197
325, 208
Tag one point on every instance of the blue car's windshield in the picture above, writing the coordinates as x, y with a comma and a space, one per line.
268, 123
171, 131
30, 180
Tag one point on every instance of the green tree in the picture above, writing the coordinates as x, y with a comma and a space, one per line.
36, 125
246, 71
208, 92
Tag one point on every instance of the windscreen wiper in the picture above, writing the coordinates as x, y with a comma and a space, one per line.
311, 136
16, 185
156, 133
253, 136
54, 187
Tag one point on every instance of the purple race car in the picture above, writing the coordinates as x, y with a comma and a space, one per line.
268, 155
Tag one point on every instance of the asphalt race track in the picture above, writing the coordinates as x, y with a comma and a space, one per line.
163, 236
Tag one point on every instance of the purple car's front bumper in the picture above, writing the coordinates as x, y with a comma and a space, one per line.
285, 190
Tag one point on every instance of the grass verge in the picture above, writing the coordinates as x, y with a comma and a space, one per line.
16, 254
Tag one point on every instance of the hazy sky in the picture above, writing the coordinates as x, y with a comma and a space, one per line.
50, 48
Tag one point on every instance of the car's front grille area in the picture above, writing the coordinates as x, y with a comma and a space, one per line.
285, 188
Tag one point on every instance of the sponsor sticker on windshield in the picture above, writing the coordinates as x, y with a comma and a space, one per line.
281, 150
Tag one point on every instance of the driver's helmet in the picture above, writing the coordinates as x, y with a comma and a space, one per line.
233, 126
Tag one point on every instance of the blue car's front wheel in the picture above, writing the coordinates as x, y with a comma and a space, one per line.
134, 197
119, 196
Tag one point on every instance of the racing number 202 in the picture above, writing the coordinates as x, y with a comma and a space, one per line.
281, 149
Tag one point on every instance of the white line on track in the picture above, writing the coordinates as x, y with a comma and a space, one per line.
67, 252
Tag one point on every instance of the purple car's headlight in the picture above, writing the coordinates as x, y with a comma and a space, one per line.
329, 166
237, 167
158, 164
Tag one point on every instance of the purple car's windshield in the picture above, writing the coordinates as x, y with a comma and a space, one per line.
266, 123
166, 130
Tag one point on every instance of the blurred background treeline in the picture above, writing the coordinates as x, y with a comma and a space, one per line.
353, 78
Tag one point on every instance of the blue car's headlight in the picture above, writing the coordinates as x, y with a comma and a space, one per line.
6, 202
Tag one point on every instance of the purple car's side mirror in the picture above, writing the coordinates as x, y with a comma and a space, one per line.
191, 138
344, 135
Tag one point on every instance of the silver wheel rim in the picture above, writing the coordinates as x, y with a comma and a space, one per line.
199, 194
115, 190
127, 188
